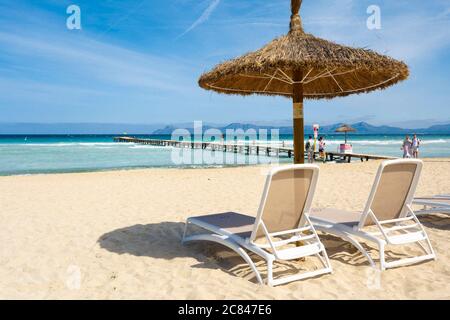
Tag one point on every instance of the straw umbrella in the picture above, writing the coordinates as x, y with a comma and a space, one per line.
345, 128
301, 66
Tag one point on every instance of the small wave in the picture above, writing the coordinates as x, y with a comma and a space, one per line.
61, 144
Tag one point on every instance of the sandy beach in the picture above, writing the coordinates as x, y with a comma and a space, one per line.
116, 235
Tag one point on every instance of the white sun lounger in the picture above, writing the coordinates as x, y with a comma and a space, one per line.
434, 204
387, 219
281, 230
436, 197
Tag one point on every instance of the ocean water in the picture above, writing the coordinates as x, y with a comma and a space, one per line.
65, 153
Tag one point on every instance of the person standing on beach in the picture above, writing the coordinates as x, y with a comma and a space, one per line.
415, 144
310, 149
322, 148
406, 147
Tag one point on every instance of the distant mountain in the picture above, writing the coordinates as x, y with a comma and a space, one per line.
166, 130
120, 129
366, 128
361, 128
438, 129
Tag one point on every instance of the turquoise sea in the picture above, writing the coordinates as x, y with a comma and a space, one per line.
20, 154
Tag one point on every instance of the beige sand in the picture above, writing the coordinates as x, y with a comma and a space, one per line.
118, 233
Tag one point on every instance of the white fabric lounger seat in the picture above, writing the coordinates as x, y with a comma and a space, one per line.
239, 228
229, 224
387, 219
348, 218
280, 231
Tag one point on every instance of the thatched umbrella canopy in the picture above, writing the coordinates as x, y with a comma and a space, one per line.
345, 128
300, 65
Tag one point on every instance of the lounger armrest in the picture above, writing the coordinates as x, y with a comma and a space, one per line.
299, 252
298, 230
293, 239
396, 220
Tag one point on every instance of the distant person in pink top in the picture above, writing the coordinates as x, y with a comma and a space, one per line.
406, 147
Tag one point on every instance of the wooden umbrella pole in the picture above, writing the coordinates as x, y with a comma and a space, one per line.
299, 139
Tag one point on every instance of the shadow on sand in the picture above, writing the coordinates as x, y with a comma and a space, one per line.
436, 221
345, 252
163, 241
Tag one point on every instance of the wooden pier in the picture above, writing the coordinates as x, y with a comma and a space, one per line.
248, 149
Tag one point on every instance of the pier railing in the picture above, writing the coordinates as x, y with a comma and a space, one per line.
248, 148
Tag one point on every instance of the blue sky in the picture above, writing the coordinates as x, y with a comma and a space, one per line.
138, 61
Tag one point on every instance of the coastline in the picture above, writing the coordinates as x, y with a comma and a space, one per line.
187, 167
85, 153
119, 232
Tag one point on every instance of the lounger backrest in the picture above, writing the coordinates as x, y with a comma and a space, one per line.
287, 195
394, 186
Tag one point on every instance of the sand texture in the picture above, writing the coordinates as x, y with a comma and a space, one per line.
116, 235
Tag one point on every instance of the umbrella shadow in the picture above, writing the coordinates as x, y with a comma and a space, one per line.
344, 252
157, 240
436, 221
163, 241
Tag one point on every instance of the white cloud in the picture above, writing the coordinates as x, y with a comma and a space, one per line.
97, 63
203, 18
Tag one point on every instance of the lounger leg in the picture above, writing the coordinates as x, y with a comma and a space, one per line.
424, 248
430, 248
382, 257
362, 250
270, 272
223, 240
185, 231
427, 248
318, 255
325, 260
323, 257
